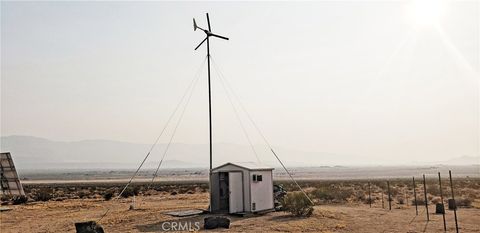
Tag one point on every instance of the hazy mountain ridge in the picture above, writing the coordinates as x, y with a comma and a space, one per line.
34, 152
40, 153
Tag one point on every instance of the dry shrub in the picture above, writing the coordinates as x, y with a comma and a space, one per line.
420, 201
332, 194
464, 202
108, 196
400, 200
82, 194
5, 198
369, 200
433, 189
17, 200
297, 204
360, 196
436, 200
44, 194
130, 192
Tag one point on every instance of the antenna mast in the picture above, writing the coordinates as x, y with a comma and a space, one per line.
208, 34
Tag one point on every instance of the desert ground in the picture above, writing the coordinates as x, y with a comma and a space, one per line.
341, 206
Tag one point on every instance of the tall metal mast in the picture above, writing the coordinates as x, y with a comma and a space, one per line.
208, 35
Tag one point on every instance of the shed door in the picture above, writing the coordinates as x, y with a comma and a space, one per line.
235, 181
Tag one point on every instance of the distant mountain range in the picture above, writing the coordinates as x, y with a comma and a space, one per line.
40, 153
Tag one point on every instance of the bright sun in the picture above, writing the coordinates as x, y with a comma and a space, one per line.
426, 12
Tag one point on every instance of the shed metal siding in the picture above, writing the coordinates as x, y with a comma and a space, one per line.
262, 191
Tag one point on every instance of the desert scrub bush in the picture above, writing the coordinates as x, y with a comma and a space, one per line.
360, 196
332, 194
297, 204
108, 196
400, 200
434, 189
420, 201
322, 194
130, 191
43, 194
82, 194
17, 200
436, 200
369, 200
5, 198
464, 202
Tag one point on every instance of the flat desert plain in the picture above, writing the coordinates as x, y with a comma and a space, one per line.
341, 206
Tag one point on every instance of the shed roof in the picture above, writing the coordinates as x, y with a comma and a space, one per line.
247, 165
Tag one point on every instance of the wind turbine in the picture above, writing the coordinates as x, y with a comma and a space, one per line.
208, 34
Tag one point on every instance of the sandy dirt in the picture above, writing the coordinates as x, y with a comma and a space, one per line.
149, 215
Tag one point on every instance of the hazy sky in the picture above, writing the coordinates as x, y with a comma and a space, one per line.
388, 80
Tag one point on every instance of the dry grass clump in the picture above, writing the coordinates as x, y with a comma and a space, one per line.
333, 194
464, 202
42, 194
420, 201
297, 204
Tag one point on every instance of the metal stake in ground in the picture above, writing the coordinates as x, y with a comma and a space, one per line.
415, 196
425, 194
369, 195
453, 197
389, 196
383, 204
443, 205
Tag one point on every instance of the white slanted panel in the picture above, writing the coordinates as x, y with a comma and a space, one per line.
9, 182
235, 185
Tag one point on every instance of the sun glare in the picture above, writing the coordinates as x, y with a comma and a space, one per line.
426, 12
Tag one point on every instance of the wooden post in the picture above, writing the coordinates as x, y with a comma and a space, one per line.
389, 196
383, 204
453, 197
406, 198
415, 196
443, 204
425, 194
369, 195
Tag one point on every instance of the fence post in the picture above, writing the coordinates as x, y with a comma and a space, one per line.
369, 195
415, 196
453, 197
383, 204
425, 194
441, 198
389, 196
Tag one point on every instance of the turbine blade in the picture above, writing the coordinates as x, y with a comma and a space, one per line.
194, 25
208, 21
221, 37
200, 43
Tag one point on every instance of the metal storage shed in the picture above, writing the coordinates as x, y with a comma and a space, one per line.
241, 188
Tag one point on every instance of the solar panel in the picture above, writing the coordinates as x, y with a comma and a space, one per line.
9, 182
